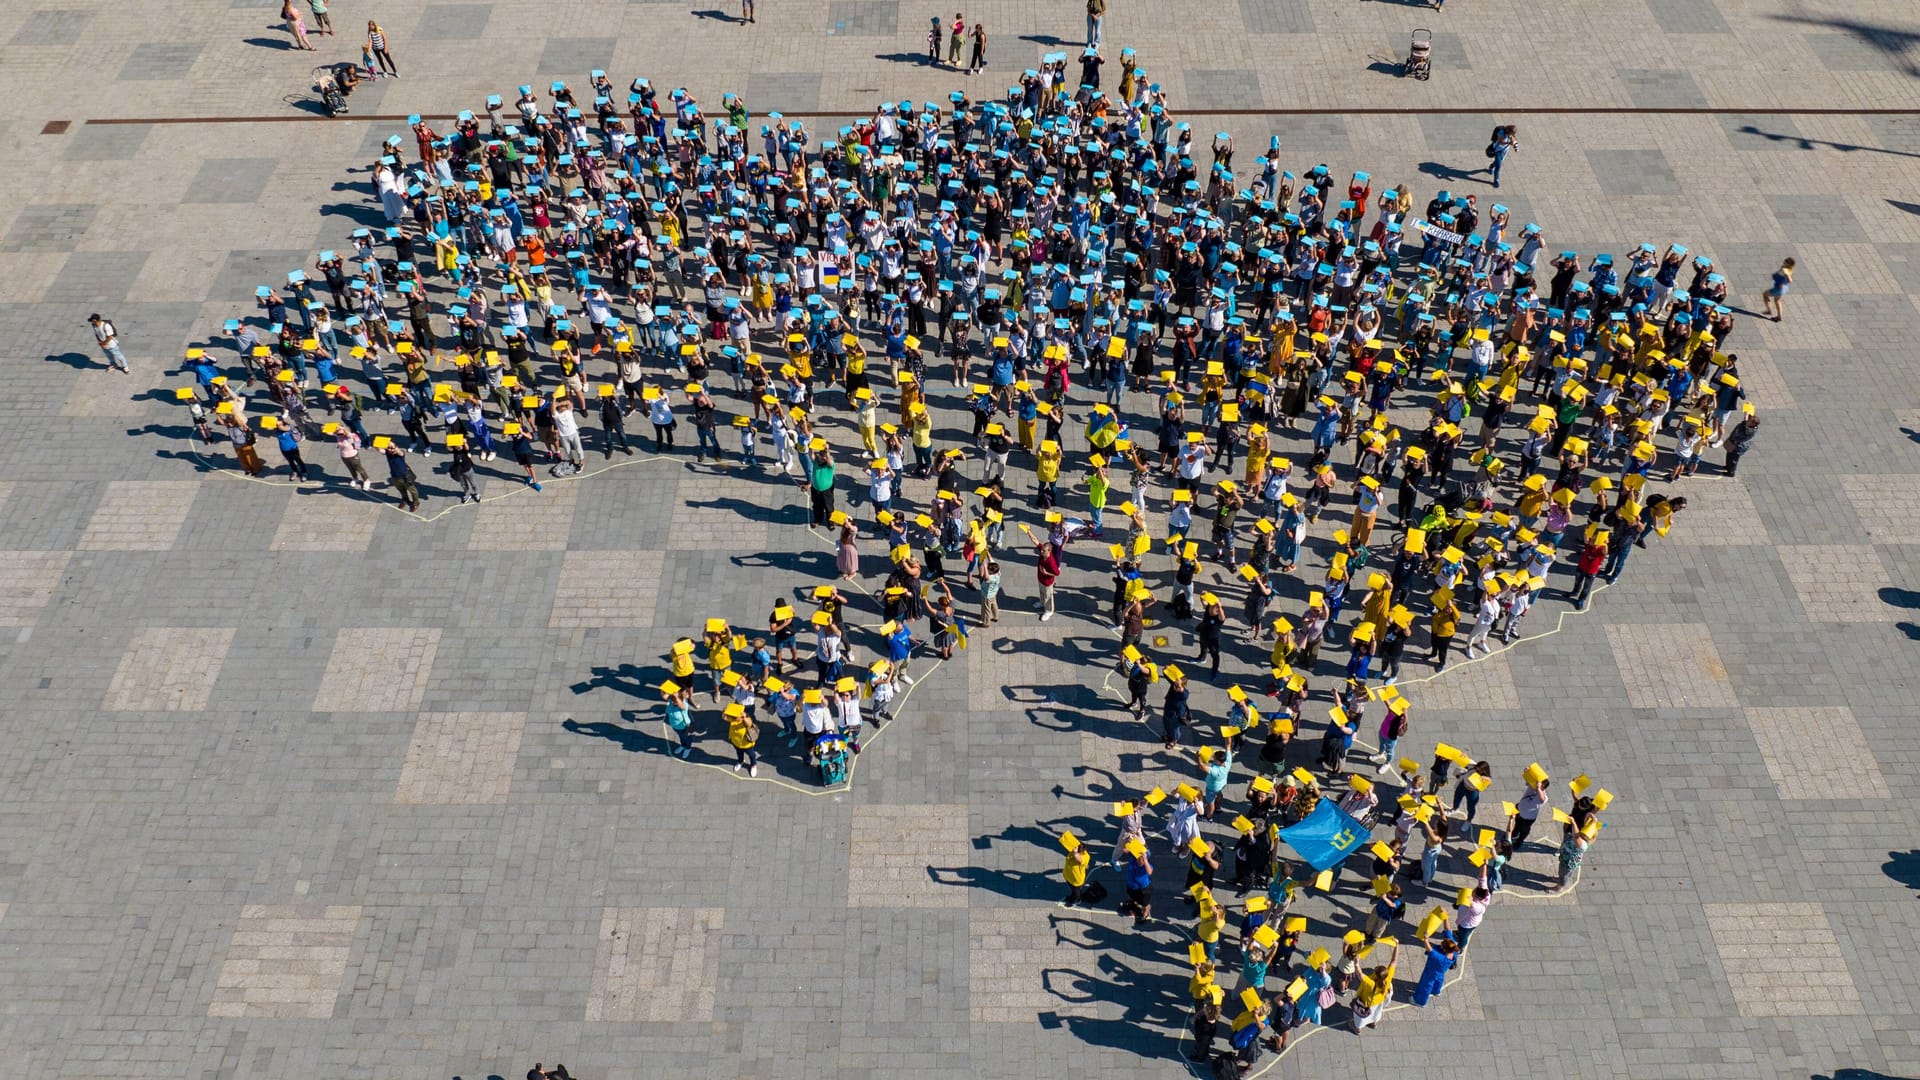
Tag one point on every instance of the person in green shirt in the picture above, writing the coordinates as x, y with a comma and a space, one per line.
1097, 484
820, 475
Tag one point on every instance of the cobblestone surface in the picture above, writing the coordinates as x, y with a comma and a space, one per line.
294, 785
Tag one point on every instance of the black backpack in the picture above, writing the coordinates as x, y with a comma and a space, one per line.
1494, 139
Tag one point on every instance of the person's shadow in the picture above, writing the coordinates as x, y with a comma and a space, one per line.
1447, 172
718, 16
1904, 867
270, 43
76, 360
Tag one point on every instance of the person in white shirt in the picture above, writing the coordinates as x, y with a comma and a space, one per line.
661, 415
566, 427
1489, 611
1470, 915
1192, 465
815, 718
849, 702
880, 480
1526, 812
109, 339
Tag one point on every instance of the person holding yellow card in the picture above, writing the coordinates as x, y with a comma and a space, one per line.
1137, 871
1376, 993
1528, 810
1319, 994
1074, 870
1441, 956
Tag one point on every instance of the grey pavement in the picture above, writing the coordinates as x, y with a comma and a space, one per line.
293, 784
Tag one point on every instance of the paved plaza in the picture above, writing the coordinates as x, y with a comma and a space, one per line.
295, 784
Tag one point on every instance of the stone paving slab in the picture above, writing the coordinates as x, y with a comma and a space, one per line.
1750, 879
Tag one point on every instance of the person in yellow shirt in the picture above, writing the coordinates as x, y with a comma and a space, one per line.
719, 652
1075, 871
743, 733
1375, 994
1259, 446
1047, 468
920, 426
1200, 986
683, 661
1446, 623
868, 418
1212, 921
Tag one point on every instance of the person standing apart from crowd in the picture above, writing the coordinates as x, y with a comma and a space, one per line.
296, 25
377, 48
1777, 292
956, 37
1096, 18
108, 336
979, 48
322, 22
1506, 140
746, 11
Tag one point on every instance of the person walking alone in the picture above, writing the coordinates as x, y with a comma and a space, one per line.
1777, 292
108, 337
1506, 140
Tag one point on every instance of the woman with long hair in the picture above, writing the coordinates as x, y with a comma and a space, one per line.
377, 49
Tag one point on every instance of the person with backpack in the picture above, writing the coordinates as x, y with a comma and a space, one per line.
1248, 1028
1505, 141
108, 338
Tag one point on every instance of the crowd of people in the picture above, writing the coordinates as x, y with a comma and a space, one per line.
967, 315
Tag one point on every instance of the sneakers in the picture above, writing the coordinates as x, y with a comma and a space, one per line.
736, 767
753, 770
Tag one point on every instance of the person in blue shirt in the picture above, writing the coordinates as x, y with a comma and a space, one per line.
1175, 713
899, 650
401, 474
1326, 429
1219, 767
1441, 955
290, 449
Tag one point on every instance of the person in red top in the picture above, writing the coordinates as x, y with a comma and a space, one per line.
1592, 558
1047, 568
1359, 191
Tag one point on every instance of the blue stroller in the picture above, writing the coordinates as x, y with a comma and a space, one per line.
830, 757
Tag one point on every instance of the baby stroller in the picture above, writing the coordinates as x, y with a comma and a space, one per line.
334, 84
1419, 56
829, 755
